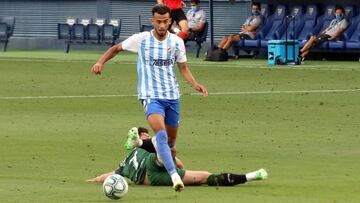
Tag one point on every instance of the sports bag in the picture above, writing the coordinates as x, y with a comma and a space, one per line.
216, 54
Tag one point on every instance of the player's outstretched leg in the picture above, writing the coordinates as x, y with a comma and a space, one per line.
229, 179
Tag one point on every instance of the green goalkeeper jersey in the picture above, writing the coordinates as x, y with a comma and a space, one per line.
140, 163
134, 165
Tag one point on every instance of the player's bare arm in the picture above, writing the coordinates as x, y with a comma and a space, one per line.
109, 54
199, 27
183, 4
186, 73
337, 34
250, 28
100, 178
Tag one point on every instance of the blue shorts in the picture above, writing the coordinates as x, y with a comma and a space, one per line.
170, 109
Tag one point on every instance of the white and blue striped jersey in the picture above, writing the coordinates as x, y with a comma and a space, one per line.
156, 64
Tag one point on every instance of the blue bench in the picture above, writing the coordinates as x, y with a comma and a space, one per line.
310, 19
269, 30
308, 22
353, 41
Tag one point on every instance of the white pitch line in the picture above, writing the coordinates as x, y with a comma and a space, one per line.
192, 94
207, 65
280, 92
70, 96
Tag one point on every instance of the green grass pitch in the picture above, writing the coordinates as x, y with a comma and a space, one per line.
308, 141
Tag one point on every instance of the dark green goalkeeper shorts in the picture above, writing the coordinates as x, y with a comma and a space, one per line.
158, 176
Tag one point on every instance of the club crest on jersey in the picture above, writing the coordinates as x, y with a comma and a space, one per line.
163, 62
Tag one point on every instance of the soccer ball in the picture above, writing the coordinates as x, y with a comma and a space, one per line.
115, 186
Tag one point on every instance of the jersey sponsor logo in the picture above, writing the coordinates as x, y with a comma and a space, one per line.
163, 62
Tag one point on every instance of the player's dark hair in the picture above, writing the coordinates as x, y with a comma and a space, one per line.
195, 1
257, 4
142, 130
160, 9
338, 7
148, 146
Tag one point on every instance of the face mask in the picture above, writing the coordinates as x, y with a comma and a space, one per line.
255, 13
339, 16
194, 8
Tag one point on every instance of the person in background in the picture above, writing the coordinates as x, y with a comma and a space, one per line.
332, 32
248, 29
177, 15
196, 19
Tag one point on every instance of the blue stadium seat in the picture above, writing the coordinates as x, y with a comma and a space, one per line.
310, 18
64, 31
146, 28
265, 13
297, 12
117, 26
271, 29
341, 44
111, 31
10, 22
265, 10
92, 33
108, 33
353, 42
324, 21
94, 30
350, 11
4, 34
71, 21
100, 21
79, 31
7, 25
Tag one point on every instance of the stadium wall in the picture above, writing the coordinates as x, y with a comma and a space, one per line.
305, 2
321, 4
36, 20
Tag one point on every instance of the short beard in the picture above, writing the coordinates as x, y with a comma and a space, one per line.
161, 35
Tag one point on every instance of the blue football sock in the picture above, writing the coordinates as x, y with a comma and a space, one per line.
164, 151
